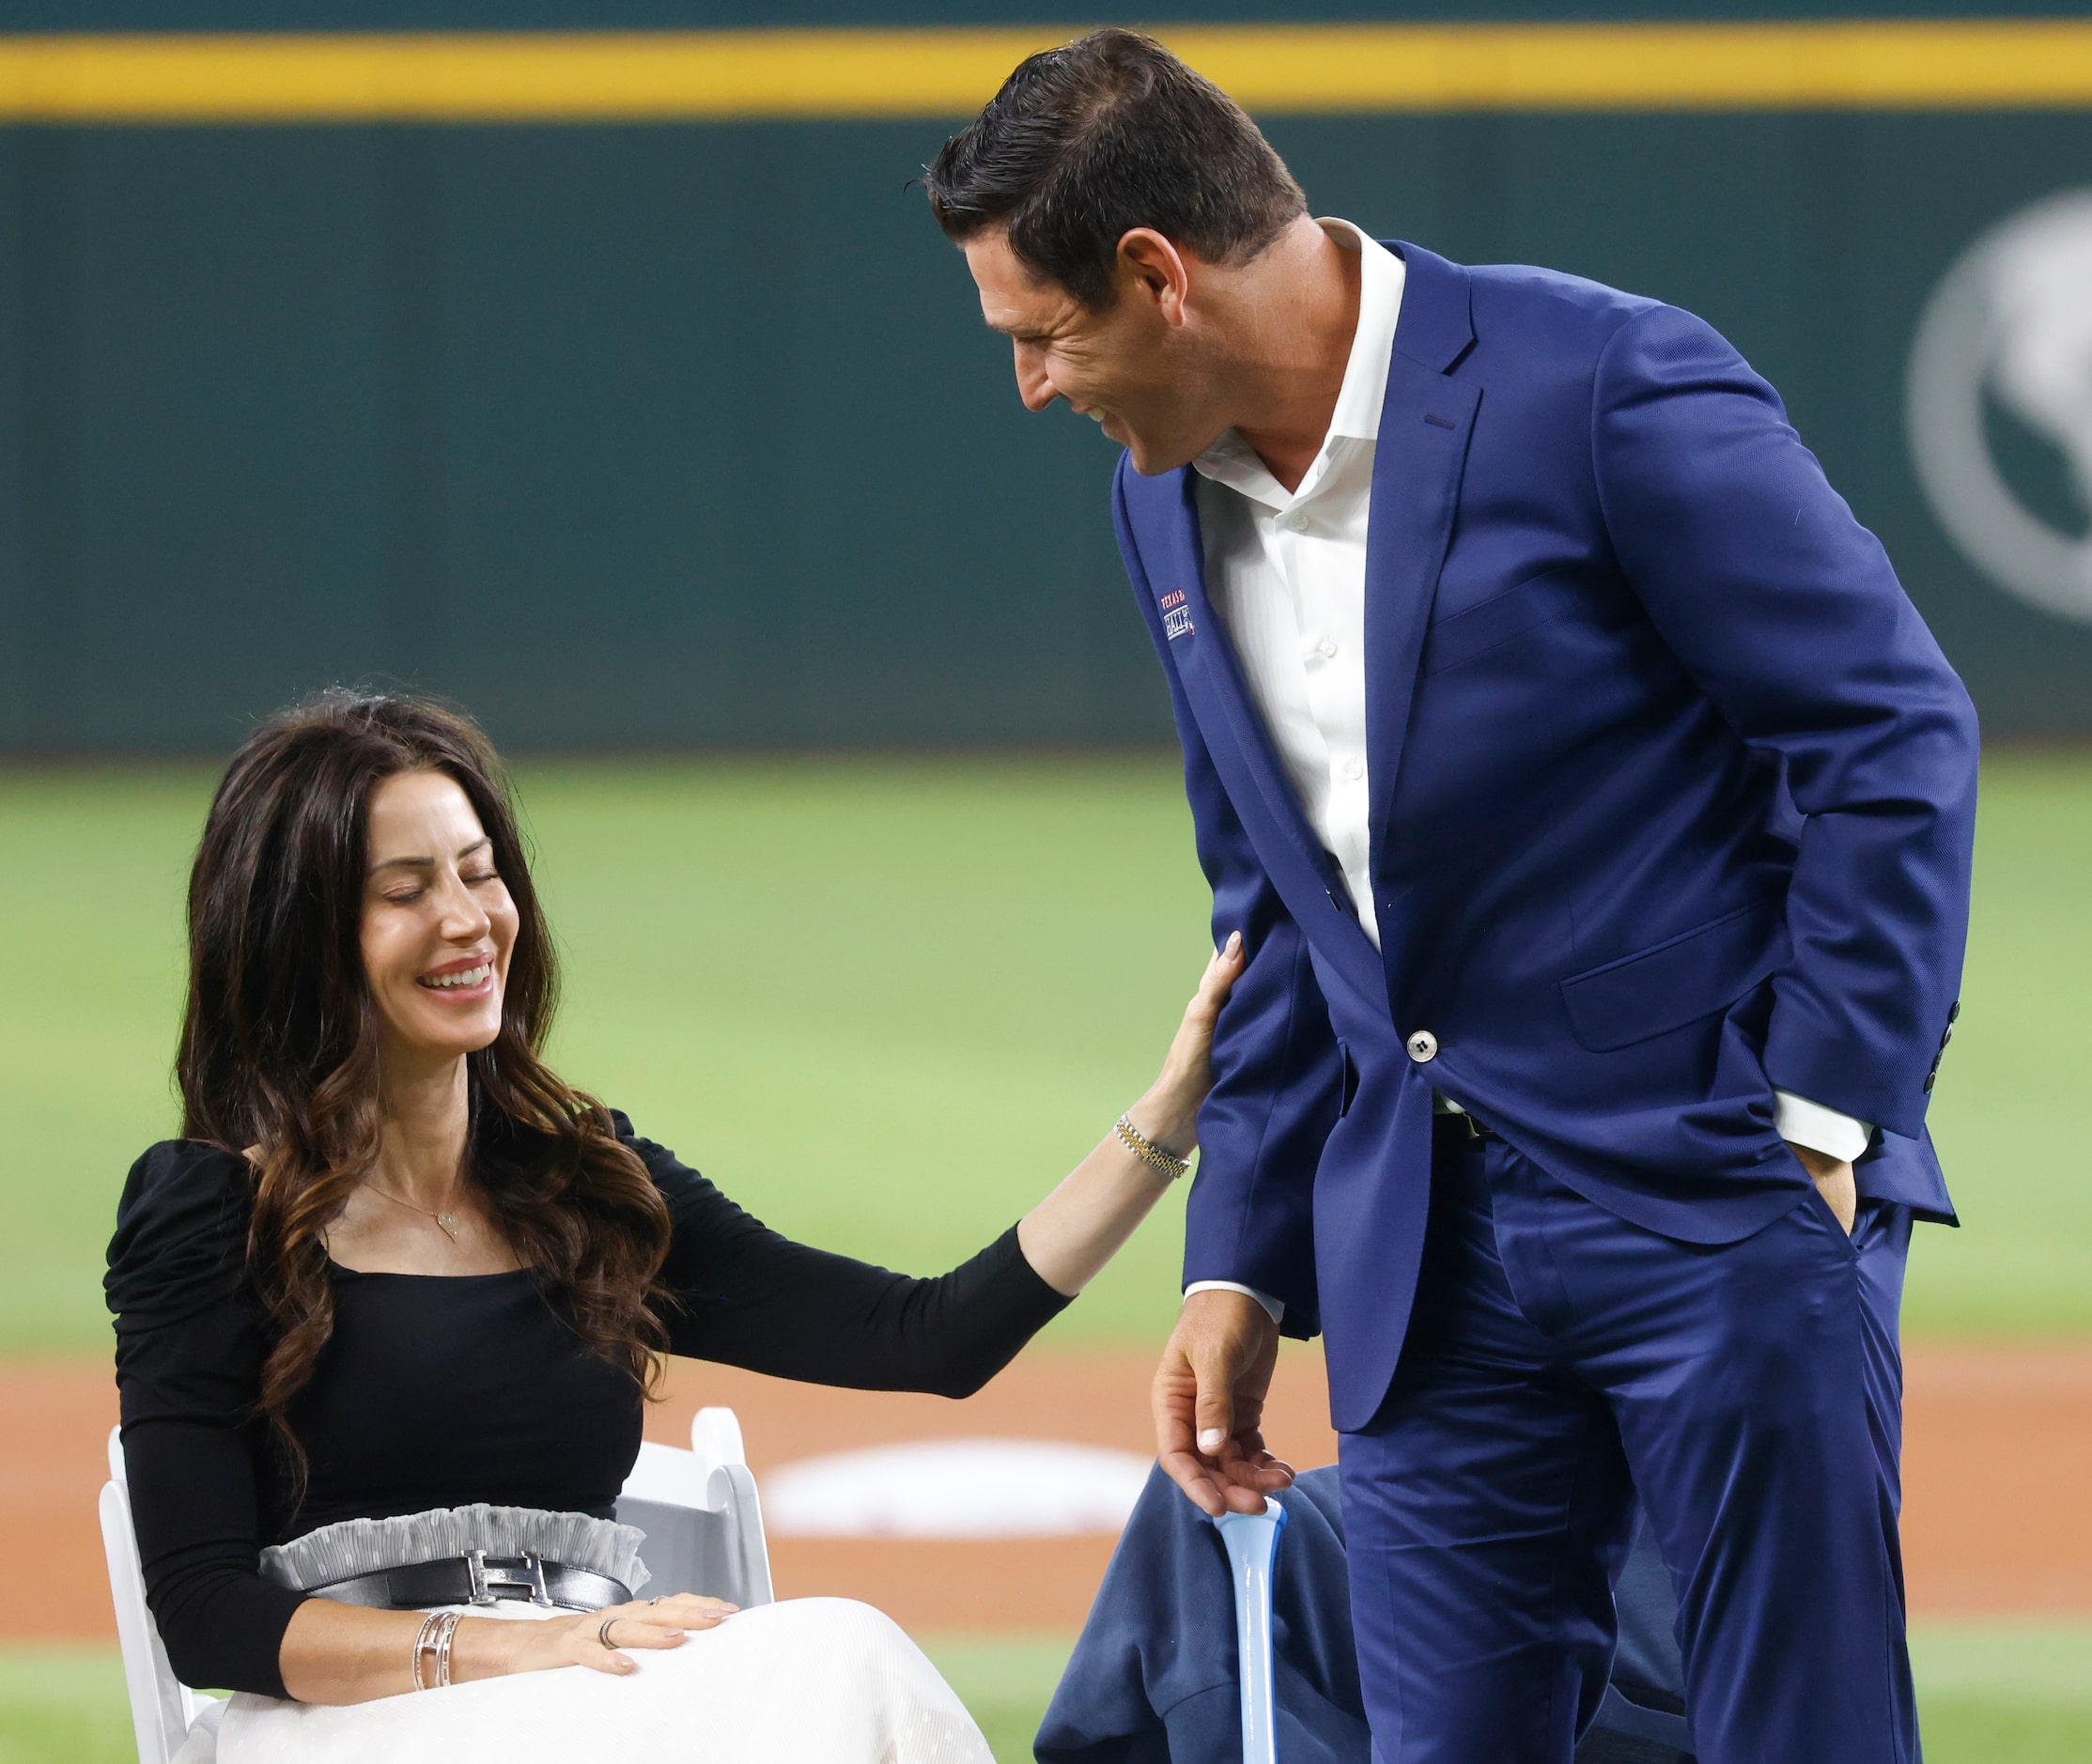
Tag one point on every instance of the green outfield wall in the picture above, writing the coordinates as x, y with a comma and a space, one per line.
681, 429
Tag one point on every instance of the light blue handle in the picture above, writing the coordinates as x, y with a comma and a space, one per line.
1252, 1544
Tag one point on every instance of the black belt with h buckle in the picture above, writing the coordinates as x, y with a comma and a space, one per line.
478, 1578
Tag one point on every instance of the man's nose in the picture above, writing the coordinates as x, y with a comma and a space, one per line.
1033, 386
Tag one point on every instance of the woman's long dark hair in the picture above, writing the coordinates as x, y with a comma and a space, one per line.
279, 1044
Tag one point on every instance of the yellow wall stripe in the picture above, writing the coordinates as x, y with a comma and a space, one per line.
1272, 68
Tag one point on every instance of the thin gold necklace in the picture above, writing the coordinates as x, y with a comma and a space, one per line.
447, 1220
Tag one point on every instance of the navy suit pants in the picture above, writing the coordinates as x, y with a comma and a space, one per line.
1561, 1361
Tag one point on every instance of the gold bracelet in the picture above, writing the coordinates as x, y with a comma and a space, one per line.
1148, 1152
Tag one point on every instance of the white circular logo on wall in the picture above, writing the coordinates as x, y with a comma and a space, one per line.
2011, 323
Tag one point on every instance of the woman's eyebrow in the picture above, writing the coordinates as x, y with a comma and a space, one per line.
429, 864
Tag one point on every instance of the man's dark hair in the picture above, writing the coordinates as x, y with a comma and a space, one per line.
1110, 132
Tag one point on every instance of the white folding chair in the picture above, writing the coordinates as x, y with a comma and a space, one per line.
703, 1520
162, 1709
699, 1509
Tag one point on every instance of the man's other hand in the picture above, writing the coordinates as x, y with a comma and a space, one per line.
1833, 1177
1208, 1398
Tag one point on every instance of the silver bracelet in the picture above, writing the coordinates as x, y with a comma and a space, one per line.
442, 1648
1148, 1152
423, 1644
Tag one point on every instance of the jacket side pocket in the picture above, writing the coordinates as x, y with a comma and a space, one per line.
1676, 981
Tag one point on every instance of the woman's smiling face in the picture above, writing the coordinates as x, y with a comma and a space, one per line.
437, 925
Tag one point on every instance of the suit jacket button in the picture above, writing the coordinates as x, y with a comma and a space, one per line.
1422, 1045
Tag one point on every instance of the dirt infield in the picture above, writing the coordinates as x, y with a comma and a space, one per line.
1996, 1515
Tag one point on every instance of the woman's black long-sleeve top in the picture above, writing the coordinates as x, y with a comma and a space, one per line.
444, 1391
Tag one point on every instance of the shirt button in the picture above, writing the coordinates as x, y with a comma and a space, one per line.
1422, 1045
1355, 770
1326, 649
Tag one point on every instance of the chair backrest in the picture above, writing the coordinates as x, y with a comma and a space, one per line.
162, 1709
699, 1509
702, 1516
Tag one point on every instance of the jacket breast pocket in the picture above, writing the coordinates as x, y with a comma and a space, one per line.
1464, 636
1676, 981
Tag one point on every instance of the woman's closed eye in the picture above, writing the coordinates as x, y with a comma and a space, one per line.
408, 896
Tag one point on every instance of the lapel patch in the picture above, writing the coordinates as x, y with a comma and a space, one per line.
1176, 614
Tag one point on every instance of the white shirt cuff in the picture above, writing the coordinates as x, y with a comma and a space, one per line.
1800, 1121
1275, 1306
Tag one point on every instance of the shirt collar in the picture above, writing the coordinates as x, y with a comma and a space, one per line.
1233, 461
1380, 278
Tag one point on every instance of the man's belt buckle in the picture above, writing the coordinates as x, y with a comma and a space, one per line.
493, 1582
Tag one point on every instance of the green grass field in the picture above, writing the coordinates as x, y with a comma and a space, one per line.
1992, 1693
885, 1004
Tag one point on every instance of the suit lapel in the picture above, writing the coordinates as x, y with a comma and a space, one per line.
1425, 423
1234, 731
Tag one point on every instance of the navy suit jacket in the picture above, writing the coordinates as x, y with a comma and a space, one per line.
1672, 803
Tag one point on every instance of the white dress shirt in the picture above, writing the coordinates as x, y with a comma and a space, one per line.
1286, 571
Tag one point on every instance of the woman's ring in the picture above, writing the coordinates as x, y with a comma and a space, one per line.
657, 1597
603, 1633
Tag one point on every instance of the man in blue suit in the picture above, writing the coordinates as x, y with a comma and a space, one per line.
1597, 813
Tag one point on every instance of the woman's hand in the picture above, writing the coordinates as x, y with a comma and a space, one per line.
1079, 1226
1168, 1113
347, 1653
578, 1641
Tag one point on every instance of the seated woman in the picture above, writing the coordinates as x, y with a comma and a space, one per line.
399, 1293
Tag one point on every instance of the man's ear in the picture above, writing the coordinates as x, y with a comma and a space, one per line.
1151, 267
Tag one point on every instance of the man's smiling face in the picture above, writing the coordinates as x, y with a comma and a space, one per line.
1124, 365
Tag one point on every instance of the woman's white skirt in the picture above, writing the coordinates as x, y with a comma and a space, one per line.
807, 1681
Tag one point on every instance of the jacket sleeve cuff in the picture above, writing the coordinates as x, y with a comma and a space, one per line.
1800, 1121
1275, 1308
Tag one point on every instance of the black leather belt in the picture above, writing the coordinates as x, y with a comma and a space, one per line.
479, 1579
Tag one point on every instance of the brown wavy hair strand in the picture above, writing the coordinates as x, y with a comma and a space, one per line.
280, 1039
